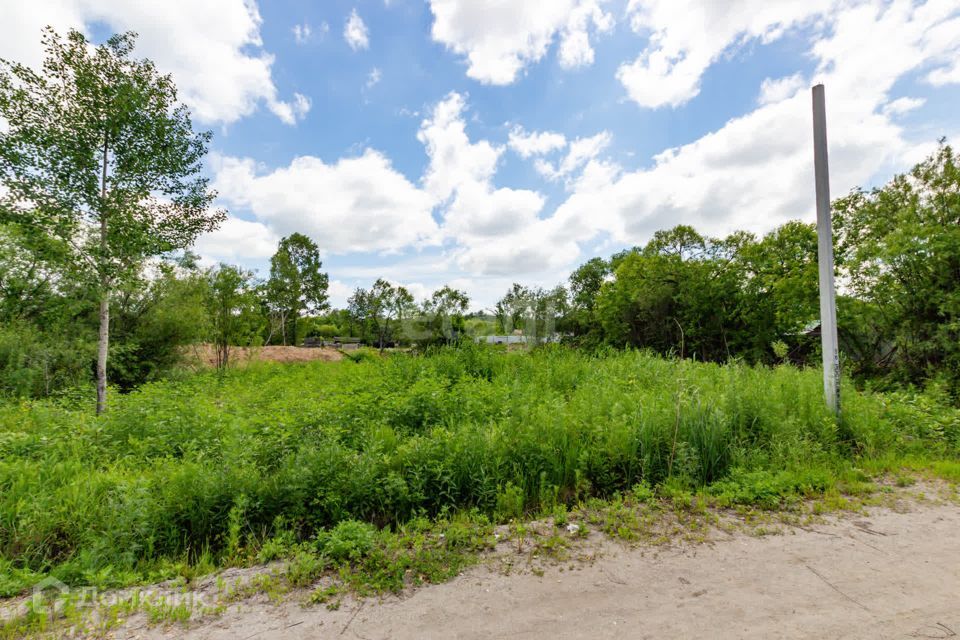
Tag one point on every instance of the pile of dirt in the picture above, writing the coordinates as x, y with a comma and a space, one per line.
205, 355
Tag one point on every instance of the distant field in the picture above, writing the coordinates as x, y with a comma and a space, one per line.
203, 354
201, 469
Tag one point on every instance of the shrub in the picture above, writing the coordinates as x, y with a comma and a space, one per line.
348, 540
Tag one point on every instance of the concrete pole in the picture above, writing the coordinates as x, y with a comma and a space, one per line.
828, 292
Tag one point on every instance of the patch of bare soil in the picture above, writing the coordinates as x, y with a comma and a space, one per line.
204, 355
878, 574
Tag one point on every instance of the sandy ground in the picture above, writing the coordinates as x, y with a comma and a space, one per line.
239, 356
886, 574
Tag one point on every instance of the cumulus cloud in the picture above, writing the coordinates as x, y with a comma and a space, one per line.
501, 37
237, 239
687, 36
355, 32
292, 112
454, 159
903, 105
580, 152
535, 143
755, 171
496, 231
339, 292
212, 48
356, 204
776, 90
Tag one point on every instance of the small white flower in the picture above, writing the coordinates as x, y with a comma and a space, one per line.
573, 528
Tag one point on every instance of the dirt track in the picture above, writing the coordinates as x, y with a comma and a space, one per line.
884, 575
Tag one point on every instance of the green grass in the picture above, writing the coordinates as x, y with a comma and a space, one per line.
279, 461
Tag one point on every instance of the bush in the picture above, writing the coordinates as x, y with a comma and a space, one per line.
349, 540
38, 365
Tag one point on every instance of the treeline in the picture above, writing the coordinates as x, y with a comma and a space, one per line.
99, 207
682, 293
49, 320
898, 272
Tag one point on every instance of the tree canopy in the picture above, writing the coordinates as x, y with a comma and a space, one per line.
100, 164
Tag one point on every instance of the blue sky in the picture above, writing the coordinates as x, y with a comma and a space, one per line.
482, 142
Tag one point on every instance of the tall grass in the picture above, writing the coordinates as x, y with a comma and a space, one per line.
182, 470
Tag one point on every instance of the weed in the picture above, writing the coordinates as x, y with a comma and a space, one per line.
304, 568
349, 540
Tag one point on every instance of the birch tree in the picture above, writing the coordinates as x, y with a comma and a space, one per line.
99, 157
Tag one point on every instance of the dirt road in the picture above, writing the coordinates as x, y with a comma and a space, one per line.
882, 575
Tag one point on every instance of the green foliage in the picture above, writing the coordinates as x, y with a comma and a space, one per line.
712, 299
296, 284
348, 540
535, 312
305, 567
381, 311
233, 310
585, 284
443, 316
899, 245
326, 330
262, 459
767, 488
154, 320
34, 364
100, 165
363, 354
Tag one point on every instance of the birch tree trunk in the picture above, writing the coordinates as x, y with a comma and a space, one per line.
103, 345
103, 342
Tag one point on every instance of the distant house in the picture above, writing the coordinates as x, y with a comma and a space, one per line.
344, 343
502, 339
516, 339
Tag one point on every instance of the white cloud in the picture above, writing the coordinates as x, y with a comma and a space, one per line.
355, 32
687, 36
374, 77
575, 49
945, 75
580, 152
496, 230
943, 48
339, 292
302, 33
780, 89
903, 105
535, 143
212, 47
501, 37
357, 204
237, 239
755, 172
291, 113
454, 160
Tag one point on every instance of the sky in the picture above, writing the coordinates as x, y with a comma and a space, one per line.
479, 143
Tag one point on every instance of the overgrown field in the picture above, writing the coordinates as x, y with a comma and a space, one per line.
202, 469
